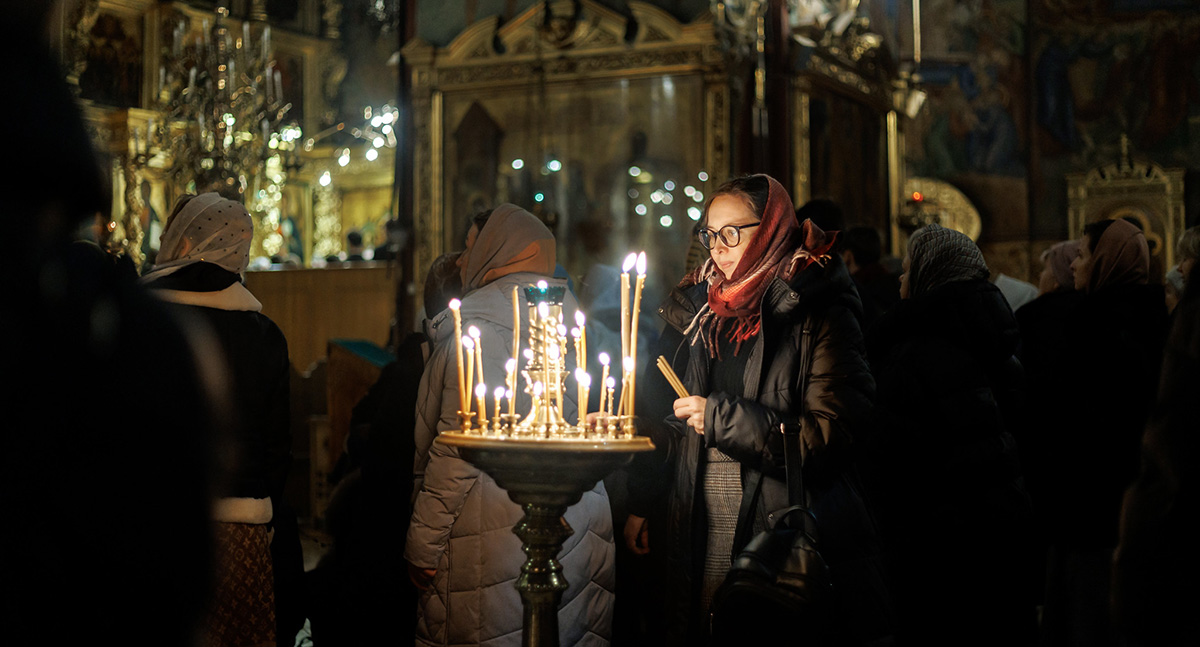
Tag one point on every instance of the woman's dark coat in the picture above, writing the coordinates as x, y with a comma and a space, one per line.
945, 479
822, 303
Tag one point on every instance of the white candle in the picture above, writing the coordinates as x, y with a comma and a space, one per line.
510, 368
480, 394
604, 361
499, 393
455, 304
633, 332
582, 380
611, 384
470, 346
581, 321
478, 343
625, 267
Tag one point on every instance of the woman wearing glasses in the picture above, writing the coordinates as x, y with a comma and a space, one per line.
770, 327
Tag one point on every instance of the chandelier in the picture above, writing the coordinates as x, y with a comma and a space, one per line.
222, 111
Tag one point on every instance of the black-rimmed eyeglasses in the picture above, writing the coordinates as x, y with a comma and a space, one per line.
731, 235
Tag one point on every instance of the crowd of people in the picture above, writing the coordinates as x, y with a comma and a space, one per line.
977, 476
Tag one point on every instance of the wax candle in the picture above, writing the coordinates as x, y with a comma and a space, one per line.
474, 333
603, 380
470, 348
581, 321
611, 384
626, 385
633, 333
585, 385
625, 267
510, 380
499, 393
480, 394
516, 323
455, 304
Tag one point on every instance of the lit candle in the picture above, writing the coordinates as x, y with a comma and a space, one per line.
455, 304
626, 386
581, 321
625, 267
555, 391
578, 351
611, 384
603, 381
480, 394
537, 398
544, 322
633, 332
581, 379
499, 393
510, 380
516, 323
470, 346
474, 333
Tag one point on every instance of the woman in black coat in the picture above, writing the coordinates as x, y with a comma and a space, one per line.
946, 481
770, 327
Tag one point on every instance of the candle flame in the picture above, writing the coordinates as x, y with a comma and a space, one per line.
528, 353
580, 318
542, 285
537, 388
510, 365
455, 304
499, 392
629, 262
480, 390
552, 351
468, 343
543, 310
604, 359
473, 332
575, 333
641, 264
508, 394
611, 382
582, 377
562, 330
628, 364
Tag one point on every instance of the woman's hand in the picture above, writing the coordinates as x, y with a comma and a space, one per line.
421, 578
637, 534
691, 409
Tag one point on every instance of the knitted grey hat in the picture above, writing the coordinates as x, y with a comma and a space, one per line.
937, 256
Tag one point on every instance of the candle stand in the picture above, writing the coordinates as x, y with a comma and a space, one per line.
544, 478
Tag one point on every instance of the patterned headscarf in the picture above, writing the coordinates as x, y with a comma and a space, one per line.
208, 229
513, 240
1121, 257
781, 247
1059, 258
937, 256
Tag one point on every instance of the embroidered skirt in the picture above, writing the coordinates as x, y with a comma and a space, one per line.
243, 607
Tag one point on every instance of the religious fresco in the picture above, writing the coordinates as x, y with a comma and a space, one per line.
1108, 69
974, 72
113, 72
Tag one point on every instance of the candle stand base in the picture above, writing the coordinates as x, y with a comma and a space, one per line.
544, 478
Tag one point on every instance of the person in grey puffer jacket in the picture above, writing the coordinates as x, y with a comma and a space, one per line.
461, 548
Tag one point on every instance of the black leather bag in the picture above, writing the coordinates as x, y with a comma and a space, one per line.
779, 579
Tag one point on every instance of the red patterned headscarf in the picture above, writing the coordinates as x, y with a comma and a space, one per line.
781, 247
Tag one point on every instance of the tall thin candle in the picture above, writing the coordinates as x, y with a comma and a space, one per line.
474, 333
633, 333
498, 393
582, 380
516, 324
603, 381
455, 305
625, 267
581, 321
511, 381
470, 346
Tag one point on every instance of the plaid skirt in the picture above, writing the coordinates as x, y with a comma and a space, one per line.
243, 607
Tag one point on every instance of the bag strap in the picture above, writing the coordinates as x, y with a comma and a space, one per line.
791, 430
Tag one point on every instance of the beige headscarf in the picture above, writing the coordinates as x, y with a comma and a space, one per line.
513, 240
208, 228
1059, 257
1121, 257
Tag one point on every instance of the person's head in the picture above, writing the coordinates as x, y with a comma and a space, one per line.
206, 228
938, 256
861, 247
1188, 250
505, 240
442, 283
354, 241
732, 218
1112, 252
1056, 267
824, 213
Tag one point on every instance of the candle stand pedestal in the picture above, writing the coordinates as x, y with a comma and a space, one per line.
544, 477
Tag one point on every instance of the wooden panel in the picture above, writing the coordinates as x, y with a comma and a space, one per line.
312, 306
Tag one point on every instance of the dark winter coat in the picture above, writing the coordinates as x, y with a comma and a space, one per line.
1108, 376
1156, 564
820, 302
945, 477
